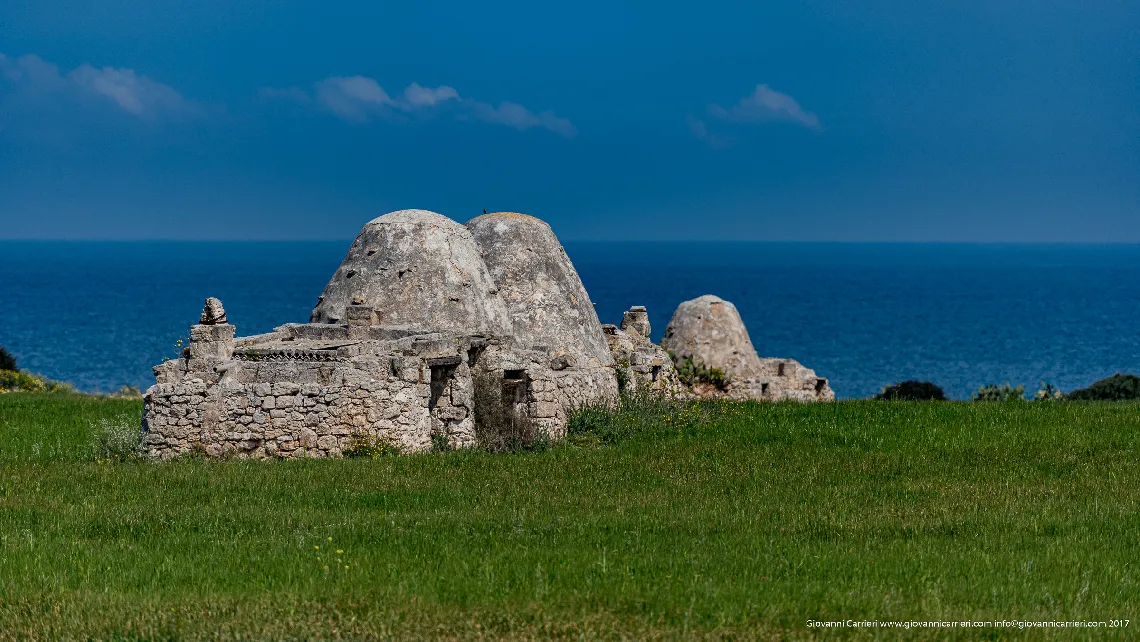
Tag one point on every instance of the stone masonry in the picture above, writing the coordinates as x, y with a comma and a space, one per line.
424, 321
408, 327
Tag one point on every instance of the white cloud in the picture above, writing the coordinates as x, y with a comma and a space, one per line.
133, 93
416, 96
521, 118
701, 131
766, 103
352, 98
31, 71
360, 99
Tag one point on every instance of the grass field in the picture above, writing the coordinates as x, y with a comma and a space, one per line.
739, 521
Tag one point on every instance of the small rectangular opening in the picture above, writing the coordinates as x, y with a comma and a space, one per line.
473, 356
515, 387
441, 376
763, 388
780, 369
654, 372
820, 384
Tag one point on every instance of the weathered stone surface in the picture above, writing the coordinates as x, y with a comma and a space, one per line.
422, 320
547, 303
408, 323
417, 268
643, 364
710, 330
213, 313
636, 321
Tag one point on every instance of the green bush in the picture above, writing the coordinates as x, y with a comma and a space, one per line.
500, 427
691, 370
127, 392
622, 376
20, 381
1118, 387
7, 361
912, 391
116, 439
1000, 393
364, 444
1048, 393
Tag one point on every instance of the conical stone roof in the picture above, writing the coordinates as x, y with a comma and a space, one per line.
710, 329
416, 268
547, 303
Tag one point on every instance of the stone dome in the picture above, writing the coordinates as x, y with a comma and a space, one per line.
710, 329
547, 303
416, 268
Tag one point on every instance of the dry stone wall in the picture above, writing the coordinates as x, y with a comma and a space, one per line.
710, 330
644, 365
423, 318
264, 400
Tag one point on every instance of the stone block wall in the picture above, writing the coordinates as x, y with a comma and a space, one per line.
261, 403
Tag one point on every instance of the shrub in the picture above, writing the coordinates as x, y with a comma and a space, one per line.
127, 392
365, 444
1118, 387
116, 439
912, 391
7, 361
1000, 393
1048, 393
691, 370
19, 381
622, 376
500, 427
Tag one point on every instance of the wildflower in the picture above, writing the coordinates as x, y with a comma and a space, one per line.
330, 539
339, 552
346, 567
316, 548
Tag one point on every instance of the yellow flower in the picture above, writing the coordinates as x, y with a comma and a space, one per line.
339, 552
316, 548
330, 539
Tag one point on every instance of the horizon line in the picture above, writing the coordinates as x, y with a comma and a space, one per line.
582, 240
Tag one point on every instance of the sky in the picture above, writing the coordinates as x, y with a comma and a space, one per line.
1011, 121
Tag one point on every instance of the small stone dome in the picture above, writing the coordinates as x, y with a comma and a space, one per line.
547, 303
416, 268
710, 329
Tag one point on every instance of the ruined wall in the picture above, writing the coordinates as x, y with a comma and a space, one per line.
264, 400
710, 329
549, 388
644, 365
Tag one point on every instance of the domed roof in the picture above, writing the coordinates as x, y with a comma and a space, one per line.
710, 329
416, 268
547, 303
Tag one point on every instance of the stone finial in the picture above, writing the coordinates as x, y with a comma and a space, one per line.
213, 313
636, 320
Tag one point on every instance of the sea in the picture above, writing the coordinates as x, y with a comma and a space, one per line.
101, 314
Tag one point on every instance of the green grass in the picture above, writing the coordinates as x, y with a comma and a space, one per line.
730, 521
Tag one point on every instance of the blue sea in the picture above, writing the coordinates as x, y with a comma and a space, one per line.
101, 314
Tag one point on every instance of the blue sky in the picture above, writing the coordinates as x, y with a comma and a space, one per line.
816, 120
